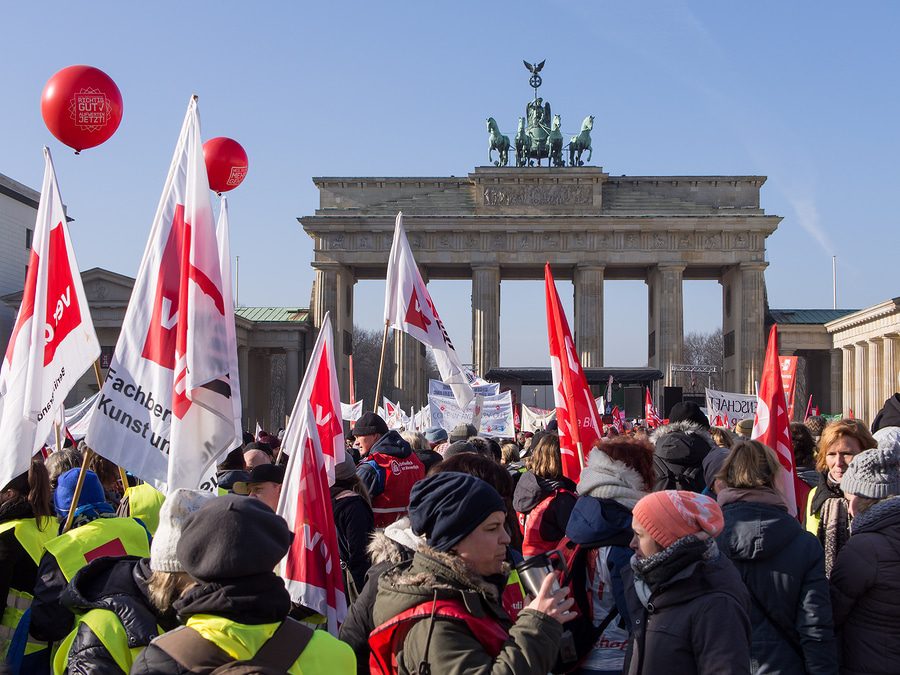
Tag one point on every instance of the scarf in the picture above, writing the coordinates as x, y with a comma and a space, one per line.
653, 571
834, 519
607, 478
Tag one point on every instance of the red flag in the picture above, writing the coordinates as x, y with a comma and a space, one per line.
809, 408
576, 412
321, 392
789, 381
650, 413
312, 568
771, 425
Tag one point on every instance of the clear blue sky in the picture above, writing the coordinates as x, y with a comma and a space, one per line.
805, 93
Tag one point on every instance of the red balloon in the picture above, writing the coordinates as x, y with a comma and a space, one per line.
81, 106
226, 163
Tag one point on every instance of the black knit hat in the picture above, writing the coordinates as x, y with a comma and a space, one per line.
448, 506
688, 411
370, 423
232, 537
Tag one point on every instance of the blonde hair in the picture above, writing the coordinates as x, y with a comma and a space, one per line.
545, 460
166, 587
509, 453
749, 465
722, 437
416, 440
845, 428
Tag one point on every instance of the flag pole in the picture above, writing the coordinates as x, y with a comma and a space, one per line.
58, 442
381, 365
98, 374
88, 453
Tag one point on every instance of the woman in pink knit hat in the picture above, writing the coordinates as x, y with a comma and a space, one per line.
687, 604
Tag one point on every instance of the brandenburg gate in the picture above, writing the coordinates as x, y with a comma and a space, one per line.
505, 222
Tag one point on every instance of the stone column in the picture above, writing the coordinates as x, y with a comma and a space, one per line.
244, 380
666, 318
752, 323
891, 371
485, 317
333, 292
408, 369
588, 283
876, 376
836, 382
861, 382
849, 377
291, 376
731, 308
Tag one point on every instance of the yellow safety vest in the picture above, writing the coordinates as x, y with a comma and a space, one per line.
144, 502
103, 537
323, 654
109, 630
812, 519
32, 538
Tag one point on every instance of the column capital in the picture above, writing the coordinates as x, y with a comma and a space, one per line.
329, 266
877, 339
754, 266
590, 266
670, 267
291, 348
485, 266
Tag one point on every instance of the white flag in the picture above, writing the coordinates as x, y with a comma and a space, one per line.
165, 410
351, 412
408, 307
224, 239
53, 342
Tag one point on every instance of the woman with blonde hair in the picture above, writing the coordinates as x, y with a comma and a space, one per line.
543, 498
782, 566
827, 512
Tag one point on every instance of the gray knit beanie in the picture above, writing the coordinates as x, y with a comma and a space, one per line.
177, 506
874, 474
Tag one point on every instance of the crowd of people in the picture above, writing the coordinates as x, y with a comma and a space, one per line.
674, 552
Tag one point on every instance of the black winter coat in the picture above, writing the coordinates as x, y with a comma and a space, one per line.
680, 448
784, 569
17, 569
50, 621
865, 584
355, 525
120, 586
530, 491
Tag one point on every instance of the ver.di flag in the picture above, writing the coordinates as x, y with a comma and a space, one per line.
223, 238
408, 307
53, 341
576, 411
312, 567
165, 410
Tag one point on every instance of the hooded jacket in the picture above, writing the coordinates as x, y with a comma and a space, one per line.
889, 415
453, 650
864, 586
695, 620
393, 546
543, 531
118, 585
678, 459
784, 568
372, 476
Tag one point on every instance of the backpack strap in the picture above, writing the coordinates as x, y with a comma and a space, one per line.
285, 646
193, 651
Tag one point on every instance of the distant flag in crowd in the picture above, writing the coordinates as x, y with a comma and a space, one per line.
352, 411
53, 341
408, 307
165, 411
320, 390
771, 425
312, 567
651, 415
609, 391
223, 237
618, 419
809, 409
576, 412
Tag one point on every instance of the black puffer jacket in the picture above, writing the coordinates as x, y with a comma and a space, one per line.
355, 524
17, 569
678, 458
865, 583
120, 586
784, 569
543, 534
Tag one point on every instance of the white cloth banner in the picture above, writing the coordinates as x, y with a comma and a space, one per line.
223, 237
422, 419
165, 412
77, 419
53, 341
438, 388
496, 414
351, 412
534, 419
730, 407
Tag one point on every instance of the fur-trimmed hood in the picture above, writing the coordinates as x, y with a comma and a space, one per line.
608, 478
683, 443
395, 544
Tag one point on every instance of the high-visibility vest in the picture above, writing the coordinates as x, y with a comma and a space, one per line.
105, 624
33, 539
812, 519
323, 654
100, 538
144, 503
513, 598
400, 474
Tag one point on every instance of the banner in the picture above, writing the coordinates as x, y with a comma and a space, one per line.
788, 365
732, 408
53, 340
76, 420
223, 237
496, 414
422, 419
534, 419
438, 388
351, 412
165, 412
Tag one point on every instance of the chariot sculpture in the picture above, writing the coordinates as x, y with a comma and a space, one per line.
539, 135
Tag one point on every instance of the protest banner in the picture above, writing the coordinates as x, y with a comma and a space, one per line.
731, 407
496, 414
438, 388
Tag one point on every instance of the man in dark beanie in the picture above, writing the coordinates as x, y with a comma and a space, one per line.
688, 411
230, 546
388, 468
443, 612
681, 447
